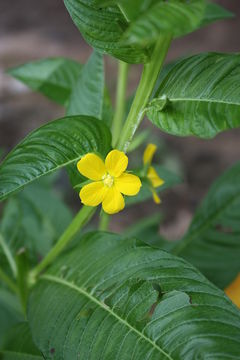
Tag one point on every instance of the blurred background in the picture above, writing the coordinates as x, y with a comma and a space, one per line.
30, 30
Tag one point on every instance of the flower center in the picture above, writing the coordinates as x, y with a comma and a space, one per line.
108, 180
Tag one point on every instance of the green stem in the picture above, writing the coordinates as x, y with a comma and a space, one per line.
83, 216
9, 256
149, 77
120, 101
6, 279
22, 277
104, 221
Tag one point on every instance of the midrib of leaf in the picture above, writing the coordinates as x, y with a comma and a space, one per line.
55, 279
20, 354
189, 238
214, 101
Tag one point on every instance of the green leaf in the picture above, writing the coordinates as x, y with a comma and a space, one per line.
10, 312
53, 146
103, 27
199, 96
114, 298
147, 230
53, 77
29, 221
174, 16
212, 242
19, 344
87, 94
215, 12
145, 193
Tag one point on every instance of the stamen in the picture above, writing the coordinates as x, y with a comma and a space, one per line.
108, 180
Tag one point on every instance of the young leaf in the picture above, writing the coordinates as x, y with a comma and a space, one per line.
53, 146
53, 77
212, 242
122, 299
87, 94
199, 95
19, 345
103, 27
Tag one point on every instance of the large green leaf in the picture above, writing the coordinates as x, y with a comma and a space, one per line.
199, 95
212, 242
173, 16
53, 77
112, 298
53, 146
18, 344
103, 28
88, 93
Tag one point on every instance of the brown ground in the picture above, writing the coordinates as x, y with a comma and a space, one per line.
37, 29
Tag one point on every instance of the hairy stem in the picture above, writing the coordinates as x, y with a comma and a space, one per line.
120, 101
83, 216
149, 76
6, 279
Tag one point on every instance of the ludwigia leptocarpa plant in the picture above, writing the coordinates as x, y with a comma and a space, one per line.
69, 294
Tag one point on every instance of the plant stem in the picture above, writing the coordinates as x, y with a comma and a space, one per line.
9, 256
83, 216
6, 279
120, 101
104, 221
149, 76
22, 277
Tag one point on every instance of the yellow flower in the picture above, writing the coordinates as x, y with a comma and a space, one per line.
152, 175
233, 291
110, 181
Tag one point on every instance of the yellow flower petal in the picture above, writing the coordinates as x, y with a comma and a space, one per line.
154, 178
91, 166
156, 198
116, 162
128, 184
233, 291
148, 153
113, 201
93, 194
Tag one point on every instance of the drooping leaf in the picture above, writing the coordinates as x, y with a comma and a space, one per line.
19, 345
53, 146
145, 193
123, 299
87, 94
199, 95
103, 27
212, 242
53, 77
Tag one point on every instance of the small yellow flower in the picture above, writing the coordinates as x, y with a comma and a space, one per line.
152, 175
233, 291
110, 181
